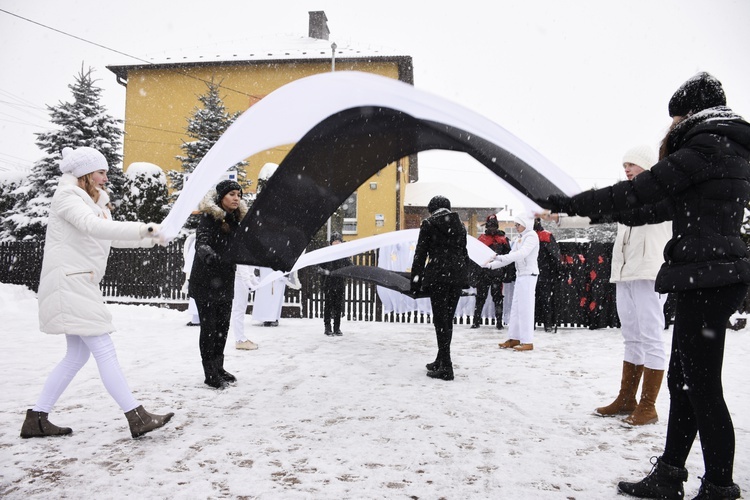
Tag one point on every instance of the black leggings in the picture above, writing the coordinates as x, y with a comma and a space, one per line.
694, 379
444, 299
214, 318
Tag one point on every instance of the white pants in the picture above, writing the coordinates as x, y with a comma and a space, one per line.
239, 309
641, 312
79, 349
193, 312
521, 326
507, 300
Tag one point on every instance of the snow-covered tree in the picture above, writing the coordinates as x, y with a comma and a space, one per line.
82, 122
8, 184
206, 125
146, 196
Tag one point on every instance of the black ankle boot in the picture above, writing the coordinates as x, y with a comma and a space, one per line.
227, 377
710, 491
663, 482
212, 372
444, 372
431, 367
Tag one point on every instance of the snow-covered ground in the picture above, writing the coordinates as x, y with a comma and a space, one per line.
343, 417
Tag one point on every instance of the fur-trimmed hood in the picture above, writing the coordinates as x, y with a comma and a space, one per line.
208, 205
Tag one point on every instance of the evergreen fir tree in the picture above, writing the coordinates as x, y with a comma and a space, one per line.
205, 126
82, 122
146, 196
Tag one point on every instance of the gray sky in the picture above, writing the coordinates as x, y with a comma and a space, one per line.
580, 81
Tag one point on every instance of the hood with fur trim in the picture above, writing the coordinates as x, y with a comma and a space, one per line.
209, 206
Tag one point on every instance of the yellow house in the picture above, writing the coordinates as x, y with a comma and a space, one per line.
162, 94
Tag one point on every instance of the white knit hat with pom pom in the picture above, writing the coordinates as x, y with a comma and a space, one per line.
82, 161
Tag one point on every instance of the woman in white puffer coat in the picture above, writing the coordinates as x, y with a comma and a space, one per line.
637, 256
80, 231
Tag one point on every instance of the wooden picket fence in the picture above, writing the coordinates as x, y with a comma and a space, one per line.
155, 276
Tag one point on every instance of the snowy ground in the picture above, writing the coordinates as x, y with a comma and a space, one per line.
346, 417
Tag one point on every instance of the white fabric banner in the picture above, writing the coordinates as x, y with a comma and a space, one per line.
285, 115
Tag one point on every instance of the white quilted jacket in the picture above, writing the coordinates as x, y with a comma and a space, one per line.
79, 235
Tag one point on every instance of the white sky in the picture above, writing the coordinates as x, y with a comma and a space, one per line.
581, 81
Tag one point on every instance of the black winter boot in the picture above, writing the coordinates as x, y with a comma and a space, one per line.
223, 374
141, 421
37, 425
442, 372
664, 482
710, 491
213, 375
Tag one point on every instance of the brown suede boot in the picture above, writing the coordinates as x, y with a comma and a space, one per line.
38, 425
625, 402
645, 412
509, 344
142, 421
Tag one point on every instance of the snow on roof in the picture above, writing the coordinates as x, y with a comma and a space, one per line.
259, 48
418, 194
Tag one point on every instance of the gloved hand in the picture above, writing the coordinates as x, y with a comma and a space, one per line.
212, 259
149, 230
560, 203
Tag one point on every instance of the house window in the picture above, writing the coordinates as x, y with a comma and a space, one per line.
349, 209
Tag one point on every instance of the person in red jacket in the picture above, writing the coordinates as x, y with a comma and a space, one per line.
491, 280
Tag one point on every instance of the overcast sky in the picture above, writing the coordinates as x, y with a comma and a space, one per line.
580, 81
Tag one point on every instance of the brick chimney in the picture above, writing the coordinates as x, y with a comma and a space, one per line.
318, 25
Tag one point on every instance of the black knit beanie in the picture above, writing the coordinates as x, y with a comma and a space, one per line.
224, 187
700, 92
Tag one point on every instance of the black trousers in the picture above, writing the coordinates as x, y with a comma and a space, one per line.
214, 318
694, 379
489, 284
333, 306
545, 309
444, 299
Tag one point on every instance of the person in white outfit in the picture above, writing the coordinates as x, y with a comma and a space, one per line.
80, 232
524, 254
244, 280
188, 254
637, 256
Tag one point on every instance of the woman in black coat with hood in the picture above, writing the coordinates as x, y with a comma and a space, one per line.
212, 278
442, 238
703, 171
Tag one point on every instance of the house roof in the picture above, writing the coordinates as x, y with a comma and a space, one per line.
262, 49
418, 194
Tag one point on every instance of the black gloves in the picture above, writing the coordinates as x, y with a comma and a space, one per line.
212, 259
560, 203
207, 255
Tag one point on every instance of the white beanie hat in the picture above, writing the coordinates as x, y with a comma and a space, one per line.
643, 156
82, 161
522, 220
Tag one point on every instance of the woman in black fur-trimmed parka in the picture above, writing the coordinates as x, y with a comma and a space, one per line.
703, 171
212, 278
